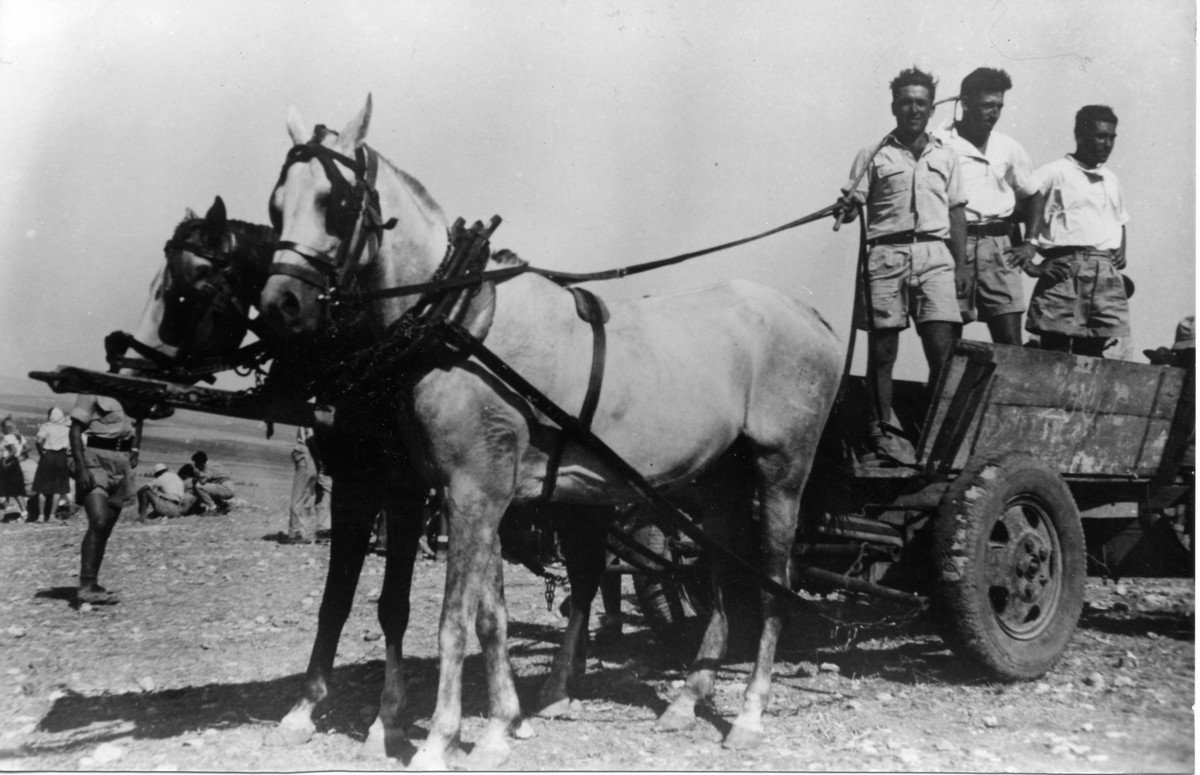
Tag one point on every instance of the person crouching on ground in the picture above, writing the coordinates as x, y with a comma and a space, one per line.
212, 484
104, 481
164, 496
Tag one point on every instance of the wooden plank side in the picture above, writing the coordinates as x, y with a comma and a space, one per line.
1025, 376
1074, 442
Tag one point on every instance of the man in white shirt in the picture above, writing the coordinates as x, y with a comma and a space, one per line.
997, 176
1078, 223
164, 496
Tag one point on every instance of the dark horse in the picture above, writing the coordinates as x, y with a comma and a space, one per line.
199, 311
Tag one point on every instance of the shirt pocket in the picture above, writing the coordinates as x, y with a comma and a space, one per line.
939, 168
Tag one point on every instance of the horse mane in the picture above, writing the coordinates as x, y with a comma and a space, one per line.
505, 257
254, 240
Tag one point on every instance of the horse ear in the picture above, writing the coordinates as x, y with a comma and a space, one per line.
216, 214
189, 214
295, 126
356, 131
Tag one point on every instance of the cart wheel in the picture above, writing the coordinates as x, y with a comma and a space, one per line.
1010, 558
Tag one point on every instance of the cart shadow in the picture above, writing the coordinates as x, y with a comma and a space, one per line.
1175, 625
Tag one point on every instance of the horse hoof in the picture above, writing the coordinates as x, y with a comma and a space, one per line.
491, 757
382, 743
428, 761
673, 721
523, 730
741, 737
291, 733
556, 709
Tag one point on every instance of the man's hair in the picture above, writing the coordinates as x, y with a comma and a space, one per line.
984, 79
1089, 113
186, 471
914, 77
200, 458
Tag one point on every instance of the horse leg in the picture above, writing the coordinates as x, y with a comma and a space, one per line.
778, 515
404, 526
473, 515
491, 627
351, 533
580, 537
681, 713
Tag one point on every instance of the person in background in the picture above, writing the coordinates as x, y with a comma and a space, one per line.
302, 509
187, 475
997, 179
28, 472
164, 496
52, 480
1077, 225
12, 480
104, 466
212, 484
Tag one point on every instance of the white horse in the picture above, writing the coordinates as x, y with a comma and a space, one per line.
686, 376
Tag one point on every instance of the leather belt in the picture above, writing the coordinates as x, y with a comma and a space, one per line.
113, 445
903, 238
989, 229
1071, 250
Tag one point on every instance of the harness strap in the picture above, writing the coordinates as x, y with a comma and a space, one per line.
595, 316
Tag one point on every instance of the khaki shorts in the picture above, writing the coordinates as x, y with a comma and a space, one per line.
112, 473
1089, 302
993, 288
909, 281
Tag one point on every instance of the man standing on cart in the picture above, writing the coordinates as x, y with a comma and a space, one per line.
1078, 226
916, 228
997, 175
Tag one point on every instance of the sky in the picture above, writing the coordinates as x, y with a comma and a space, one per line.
604, 133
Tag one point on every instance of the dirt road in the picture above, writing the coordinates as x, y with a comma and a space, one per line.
205, 652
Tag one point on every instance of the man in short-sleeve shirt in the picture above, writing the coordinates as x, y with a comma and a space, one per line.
915, 230
212, 484
104, 463
997, 175
1079, 219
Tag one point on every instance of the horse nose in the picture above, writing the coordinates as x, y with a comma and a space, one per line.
282, 307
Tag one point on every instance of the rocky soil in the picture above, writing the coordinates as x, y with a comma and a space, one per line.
205, 652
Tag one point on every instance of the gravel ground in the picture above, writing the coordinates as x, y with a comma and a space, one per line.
205, 653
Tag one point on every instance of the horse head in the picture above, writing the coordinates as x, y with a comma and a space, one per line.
200, 299
339, 207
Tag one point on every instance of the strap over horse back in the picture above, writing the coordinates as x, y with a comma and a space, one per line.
591, 310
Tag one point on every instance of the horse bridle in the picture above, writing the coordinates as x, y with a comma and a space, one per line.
349, 205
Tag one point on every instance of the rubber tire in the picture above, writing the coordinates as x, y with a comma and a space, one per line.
1017, 510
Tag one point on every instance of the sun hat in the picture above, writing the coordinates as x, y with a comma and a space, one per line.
1185, 333
160, 468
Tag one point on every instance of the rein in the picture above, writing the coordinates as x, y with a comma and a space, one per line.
340, 296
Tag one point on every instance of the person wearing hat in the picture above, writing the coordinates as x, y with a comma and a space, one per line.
1077, 225
104, 445
1181, 354
164, 496
998, 178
